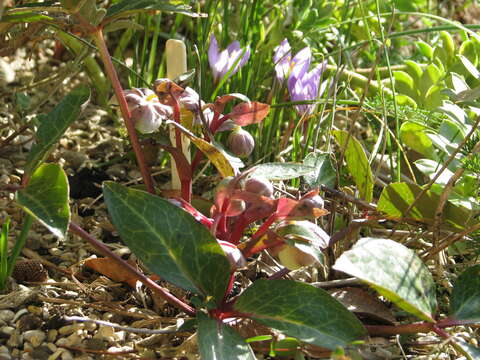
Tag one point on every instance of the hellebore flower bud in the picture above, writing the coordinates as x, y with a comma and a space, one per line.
234, 256
313, 202
240, 142
259, 185
304, 242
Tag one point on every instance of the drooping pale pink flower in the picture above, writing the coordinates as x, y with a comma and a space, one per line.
222, 61
146, 110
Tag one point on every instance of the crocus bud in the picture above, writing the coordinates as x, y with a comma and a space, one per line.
259, 185
240, 142
234, 256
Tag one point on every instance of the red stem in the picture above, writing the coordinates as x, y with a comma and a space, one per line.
216, 122
117, 87
77, 230
185, 181
238, 230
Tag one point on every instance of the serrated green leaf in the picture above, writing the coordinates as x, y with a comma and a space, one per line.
281, 171
129, 7
357, 163
218, 341
395, 271
168, 240
414, 135
302, 311
54, 125
465, 299
324, 173
46, 198
397, 197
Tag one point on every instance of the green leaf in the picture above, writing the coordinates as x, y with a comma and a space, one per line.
25, 17
465, 299
218, 341
397, 197
414, 136
4, 252
414, 70
54, 125
425, 49
46, 198
324, 173
168, 240
471, 352
404, 84
395, 271
431, 75
130, 7
357, 164
302, 311
281, 171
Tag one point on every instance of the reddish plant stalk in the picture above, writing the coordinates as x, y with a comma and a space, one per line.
171, 299
117, 87
185, 181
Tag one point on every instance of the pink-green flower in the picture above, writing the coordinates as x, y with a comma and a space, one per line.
146, 110
222, 61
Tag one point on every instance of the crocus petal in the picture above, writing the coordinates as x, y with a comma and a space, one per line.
301, 63
245, 57
281, 51
233, 47
213, 52
221, 66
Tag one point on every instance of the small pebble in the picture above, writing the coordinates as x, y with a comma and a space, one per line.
106, 333
4, 353
52, 347
52, 335
35, 337
56, 354
16, 339
6, 315
19, 314
67, 355
41, 353
29, 322
7, 330
66, 330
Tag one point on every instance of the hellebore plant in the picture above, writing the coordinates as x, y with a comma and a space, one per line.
205, 254
227, 61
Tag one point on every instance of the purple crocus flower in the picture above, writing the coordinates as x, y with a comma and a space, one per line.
302, 84
222, 61
282, 58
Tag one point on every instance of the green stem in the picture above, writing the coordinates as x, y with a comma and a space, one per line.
117, 87
20, 243
95, 73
